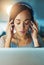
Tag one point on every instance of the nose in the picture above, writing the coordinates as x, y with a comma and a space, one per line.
22, 26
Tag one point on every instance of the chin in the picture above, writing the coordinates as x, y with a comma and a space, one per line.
22, 35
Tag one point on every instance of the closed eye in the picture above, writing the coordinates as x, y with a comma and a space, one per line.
27, 23
18, 23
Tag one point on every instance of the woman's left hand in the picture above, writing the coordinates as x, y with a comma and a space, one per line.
34, 28
34, 33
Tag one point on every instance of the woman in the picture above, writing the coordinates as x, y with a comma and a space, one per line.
22, 21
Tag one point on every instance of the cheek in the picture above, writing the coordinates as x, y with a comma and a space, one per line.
17, 28
27, 27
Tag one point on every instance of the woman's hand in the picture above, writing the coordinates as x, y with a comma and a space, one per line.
34, 33
34, 28
9, 33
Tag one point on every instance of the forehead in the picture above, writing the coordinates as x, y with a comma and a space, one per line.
25, 14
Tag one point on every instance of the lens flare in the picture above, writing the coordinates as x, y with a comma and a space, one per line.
8, 9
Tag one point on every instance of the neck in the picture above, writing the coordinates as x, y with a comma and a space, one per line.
22, 41
21, 37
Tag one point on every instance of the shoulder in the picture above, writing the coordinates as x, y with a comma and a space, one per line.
2, 41
40, 41
3, 37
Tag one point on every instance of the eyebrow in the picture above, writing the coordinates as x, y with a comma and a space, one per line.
24, 20
27, 19
18, 19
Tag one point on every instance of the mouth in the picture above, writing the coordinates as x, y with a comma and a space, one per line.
22, 32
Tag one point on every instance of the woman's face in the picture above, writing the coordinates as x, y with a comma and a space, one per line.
22, 22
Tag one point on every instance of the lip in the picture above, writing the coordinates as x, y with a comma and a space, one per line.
22, 31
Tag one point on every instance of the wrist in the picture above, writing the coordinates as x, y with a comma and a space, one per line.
35, 40
7, 43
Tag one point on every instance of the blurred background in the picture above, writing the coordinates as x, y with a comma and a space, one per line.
37, 5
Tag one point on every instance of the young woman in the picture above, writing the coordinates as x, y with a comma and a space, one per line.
22, 21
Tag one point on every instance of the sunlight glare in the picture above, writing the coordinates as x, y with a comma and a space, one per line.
8, 9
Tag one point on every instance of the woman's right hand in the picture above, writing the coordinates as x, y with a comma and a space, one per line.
9, 33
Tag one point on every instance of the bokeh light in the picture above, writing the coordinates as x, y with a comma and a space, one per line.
8, 8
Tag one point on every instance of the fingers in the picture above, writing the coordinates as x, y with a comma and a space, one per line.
33, 26
10, 26
10, 22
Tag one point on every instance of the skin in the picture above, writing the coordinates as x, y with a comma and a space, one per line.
22, 23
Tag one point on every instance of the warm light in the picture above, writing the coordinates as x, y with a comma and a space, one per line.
8, 8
